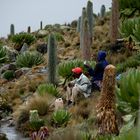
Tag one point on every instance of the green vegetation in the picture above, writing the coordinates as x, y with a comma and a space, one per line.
21, 38
3, 54
129, 63
131, 28
61, 117
35, 121
29, 59
128, 92
44, 89
64, 68
132, 4
9, 74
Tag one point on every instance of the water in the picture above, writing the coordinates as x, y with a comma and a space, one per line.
11, 133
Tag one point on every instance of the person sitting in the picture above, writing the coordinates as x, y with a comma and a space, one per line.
80, 85
97, 72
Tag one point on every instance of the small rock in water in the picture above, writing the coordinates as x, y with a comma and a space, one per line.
3, 136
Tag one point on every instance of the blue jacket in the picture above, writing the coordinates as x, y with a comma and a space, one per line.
97, 72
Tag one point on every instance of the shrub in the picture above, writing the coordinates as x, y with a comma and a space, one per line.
9, 74
29, 59
21, 38
3, 54
61, 117
47, 88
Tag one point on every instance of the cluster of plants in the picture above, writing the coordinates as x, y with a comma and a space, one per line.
46, 88
128, 91
21, 38
29, 59
3, 54
128, 98
131, 28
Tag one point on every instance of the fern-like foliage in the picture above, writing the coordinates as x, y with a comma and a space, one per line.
61, 117
123, 4
136, 30
29, 59
129, 63
126, 28
43, 89
129, 89
131, 28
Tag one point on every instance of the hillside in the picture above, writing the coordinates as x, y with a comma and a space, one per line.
24, 86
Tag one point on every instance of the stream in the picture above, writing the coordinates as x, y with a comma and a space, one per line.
11, 132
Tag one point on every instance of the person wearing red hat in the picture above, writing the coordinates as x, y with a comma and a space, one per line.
80, 85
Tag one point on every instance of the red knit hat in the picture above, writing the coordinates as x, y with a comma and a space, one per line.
77, 70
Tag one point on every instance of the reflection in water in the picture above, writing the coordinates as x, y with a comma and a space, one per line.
11, 133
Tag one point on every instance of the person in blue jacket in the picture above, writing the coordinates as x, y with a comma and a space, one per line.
98, 71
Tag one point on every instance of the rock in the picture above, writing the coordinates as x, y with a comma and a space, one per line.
12, 53
3, 136
21, 71
18, 73
42, 48
11, 66
24, 48
42, 32
11, 123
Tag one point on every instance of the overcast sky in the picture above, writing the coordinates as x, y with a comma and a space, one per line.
24, 13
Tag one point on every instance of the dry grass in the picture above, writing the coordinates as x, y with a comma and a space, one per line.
40, 103
116, 58
67, 134
84, 109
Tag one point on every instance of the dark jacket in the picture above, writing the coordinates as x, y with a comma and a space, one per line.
97, 72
